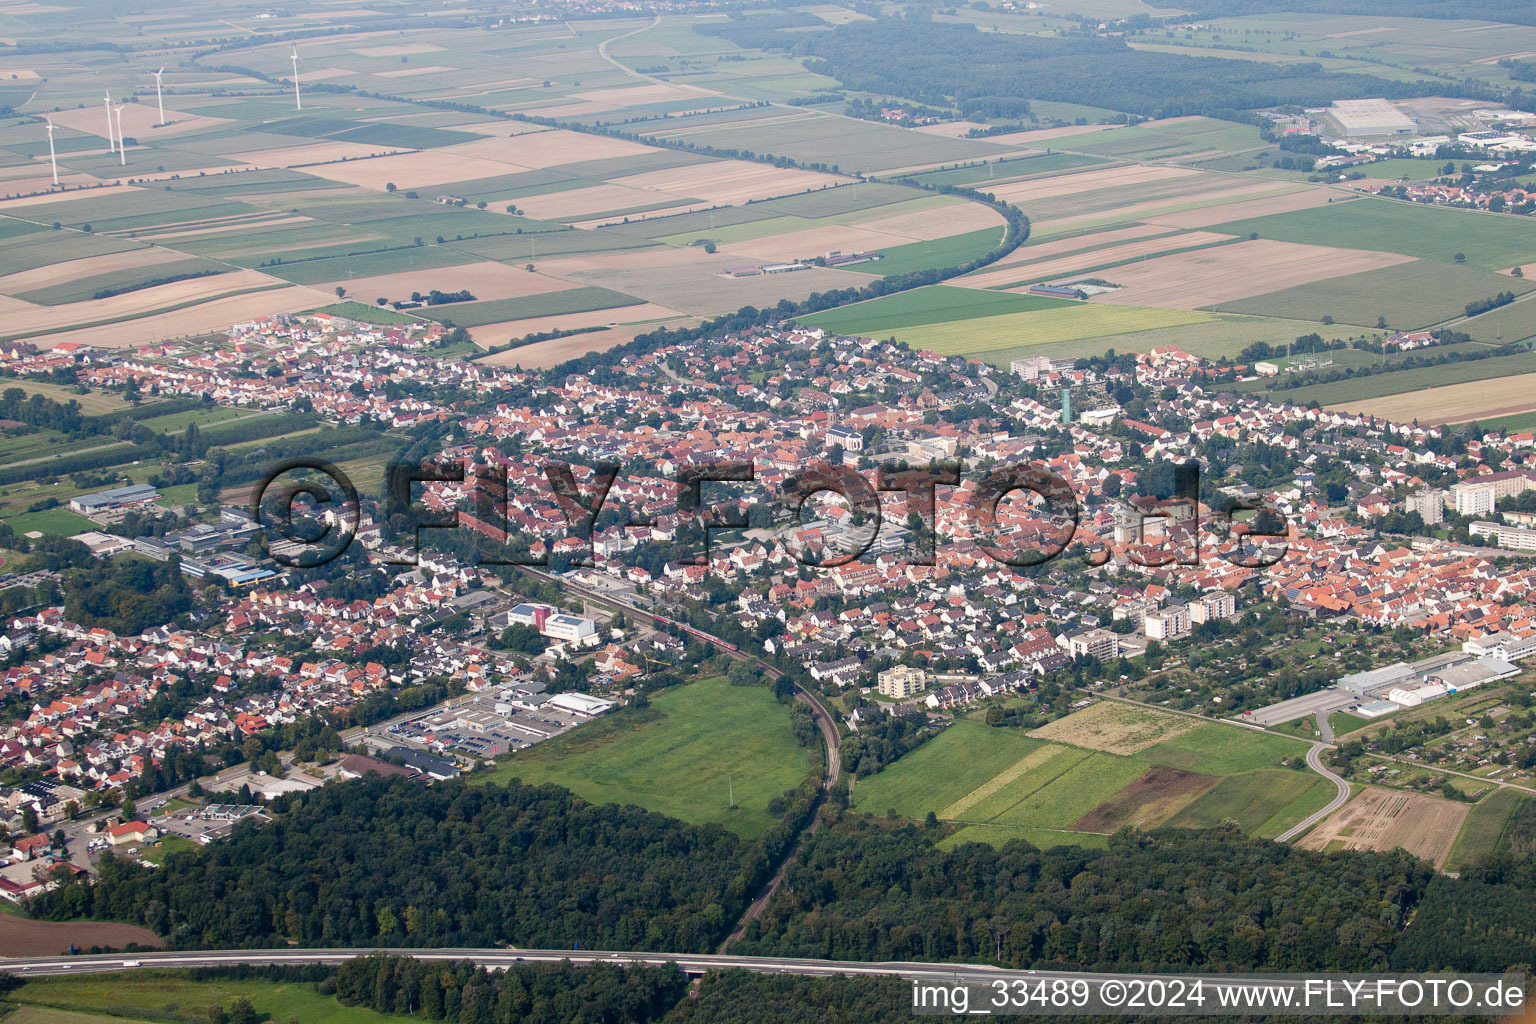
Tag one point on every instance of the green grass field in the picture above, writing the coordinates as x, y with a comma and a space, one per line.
1488, 240
1225, 335
679, 757
1397, 382
172, 995
53, 522
572, 300
1016, 332
934, 304
368, 313
1514, 322
1408, 296
932, 255
1250, 799
1214, 749
1001, 784
1483, 828
92, 403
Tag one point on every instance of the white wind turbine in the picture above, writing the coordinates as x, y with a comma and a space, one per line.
298, 104
111, 139
158, 97
122, 147
52, 159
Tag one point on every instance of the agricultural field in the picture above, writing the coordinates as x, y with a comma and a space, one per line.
1020, 332
1383, 819
1220, 274
1407, 295
1081, 777
1404, 382
934, 304
240, 205
1483, 831
1489, 241
163, 995
682, 756
1514, 322
1453, 403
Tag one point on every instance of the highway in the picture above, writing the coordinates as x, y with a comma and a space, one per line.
691, 963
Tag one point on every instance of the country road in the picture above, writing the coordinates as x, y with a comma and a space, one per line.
1340, 798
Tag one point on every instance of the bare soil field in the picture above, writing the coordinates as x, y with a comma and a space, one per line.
814, 242
485, 280
402, 50
633, 95
35, 183
1384, 819
1093, 258
609, 219
139, 120
584, 202
1227, 272
1148, 802
316, 153
430, 69
20, 936
1031, 251
951, 129
1087, 181
136, 303
54, 197
500, 333
1114, 728
537, 150
214, 315
223, 229
544, 354
938, 222
731, 181
90, 266
1029, 138
1453, 403
1301, 200
1156, 207
408, 170
691, 280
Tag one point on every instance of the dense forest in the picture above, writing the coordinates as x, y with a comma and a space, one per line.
1516, 12
882, 738
524, 994
956, 65
395, 863
1156, 902
392, 863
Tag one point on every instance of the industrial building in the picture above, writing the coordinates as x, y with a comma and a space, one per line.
1371, 117
116, 499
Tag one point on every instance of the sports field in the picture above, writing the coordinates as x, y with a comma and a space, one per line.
682, 756
1088, 774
